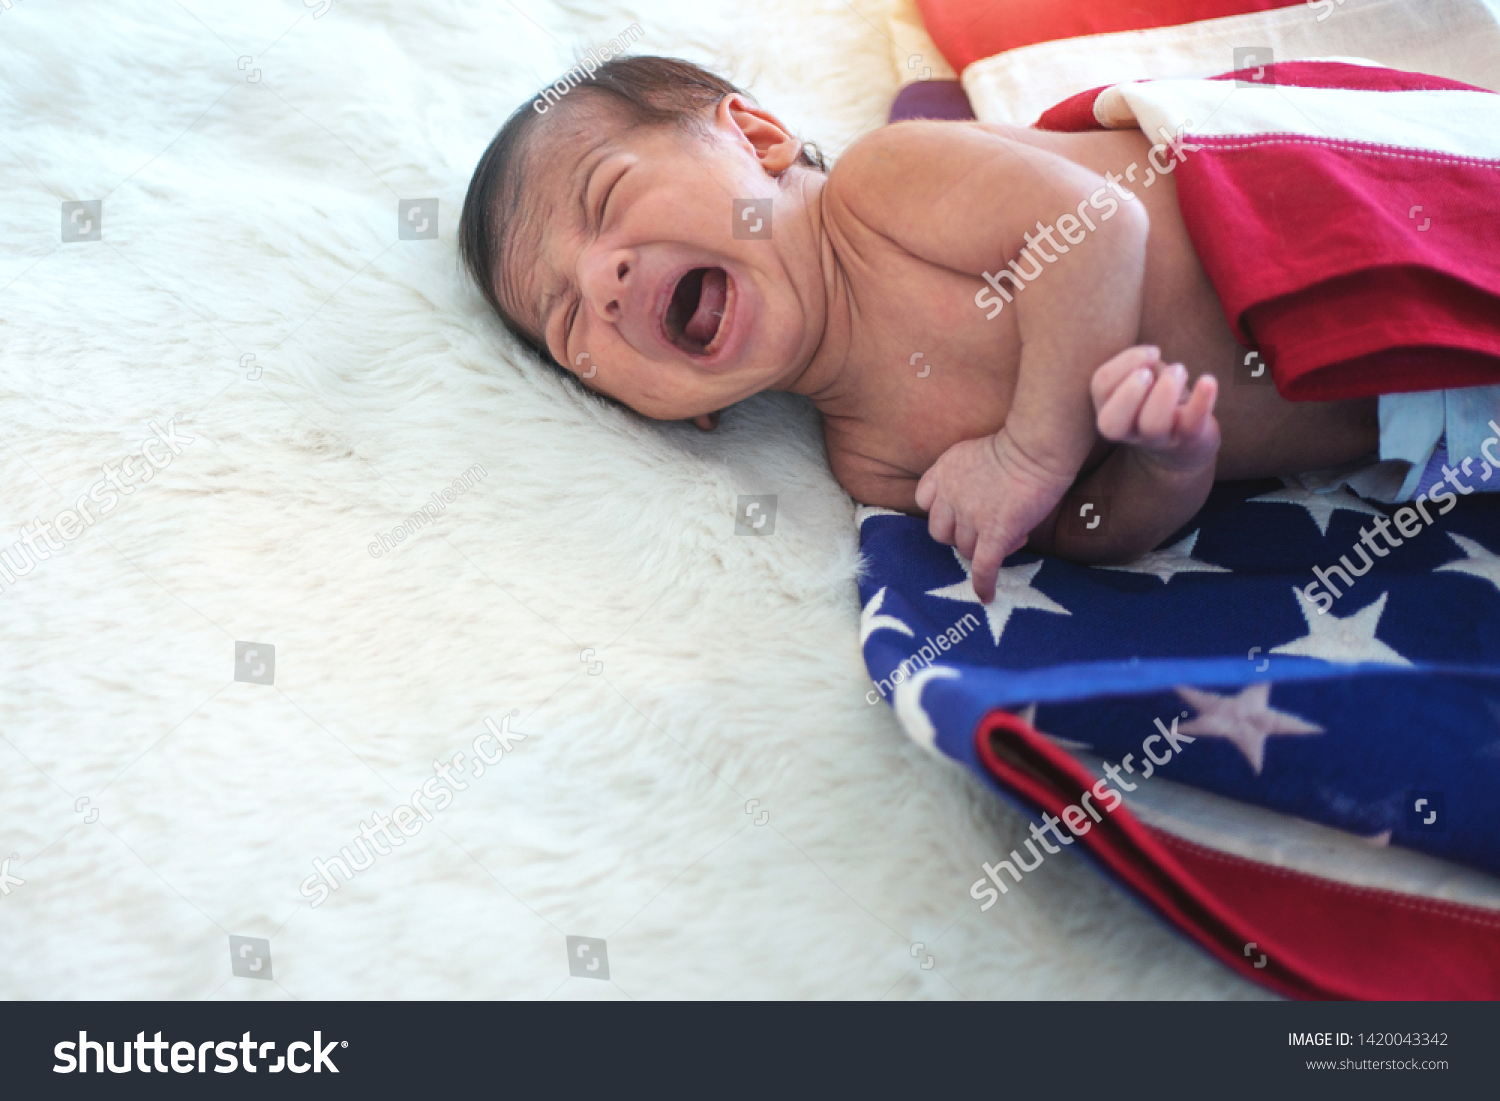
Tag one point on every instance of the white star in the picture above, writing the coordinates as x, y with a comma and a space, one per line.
1245, 720
1166, 564
1347, 641
864, 512
871, 621
1480, 563
1320, 505
1013, 591
907, 703
1380, 840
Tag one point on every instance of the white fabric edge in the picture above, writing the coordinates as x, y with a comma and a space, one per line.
1284, 841
1449, 121
1459, 40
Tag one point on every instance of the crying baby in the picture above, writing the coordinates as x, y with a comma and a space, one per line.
676, 248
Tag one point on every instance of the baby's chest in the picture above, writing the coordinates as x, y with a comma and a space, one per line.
934, 370
908, 309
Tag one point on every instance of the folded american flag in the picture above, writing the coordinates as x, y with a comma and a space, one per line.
1207, 663
1347, 215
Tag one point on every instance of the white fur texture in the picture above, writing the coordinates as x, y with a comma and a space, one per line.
259, 217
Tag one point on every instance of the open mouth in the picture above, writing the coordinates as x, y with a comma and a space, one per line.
695, 315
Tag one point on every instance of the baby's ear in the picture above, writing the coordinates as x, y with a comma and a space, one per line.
774, 145
707, 421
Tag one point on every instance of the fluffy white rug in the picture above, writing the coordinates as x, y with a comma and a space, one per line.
707, 791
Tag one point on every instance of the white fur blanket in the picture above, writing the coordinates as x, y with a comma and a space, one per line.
707, 790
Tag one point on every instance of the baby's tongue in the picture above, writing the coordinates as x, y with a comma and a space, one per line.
704, 323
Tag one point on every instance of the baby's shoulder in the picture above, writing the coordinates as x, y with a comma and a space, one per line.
882, 173
940, 190
915, 156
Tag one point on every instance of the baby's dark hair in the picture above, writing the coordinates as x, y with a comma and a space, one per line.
650, 91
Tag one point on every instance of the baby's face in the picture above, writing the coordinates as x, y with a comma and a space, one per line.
631, 275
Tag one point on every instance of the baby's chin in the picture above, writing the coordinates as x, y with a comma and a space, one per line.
694, 401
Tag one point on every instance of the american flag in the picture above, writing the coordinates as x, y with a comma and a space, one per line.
1355, 736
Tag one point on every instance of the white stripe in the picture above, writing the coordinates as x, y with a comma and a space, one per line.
1282, 841
1458, 123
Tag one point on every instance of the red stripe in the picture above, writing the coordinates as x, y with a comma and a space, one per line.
1381, 944
1320, 938
1077, 112
968, 30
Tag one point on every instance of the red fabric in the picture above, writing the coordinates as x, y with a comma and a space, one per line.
1321, 264
967, 30
1314, 938
1074, 113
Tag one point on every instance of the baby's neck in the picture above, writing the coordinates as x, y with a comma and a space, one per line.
823, 374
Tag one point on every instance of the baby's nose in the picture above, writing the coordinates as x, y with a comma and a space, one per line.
609, 284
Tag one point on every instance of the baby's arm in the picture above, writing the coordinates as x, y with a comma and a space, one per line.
971, 200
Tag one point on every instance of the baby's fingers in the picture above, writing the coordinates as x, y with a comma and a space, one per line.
941, 522
1108, 378
1117, 415
965, 538
1159, 411
985, 568
1200, 403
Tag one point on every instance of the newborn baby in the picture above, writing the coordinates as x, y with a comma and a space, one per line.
678, 249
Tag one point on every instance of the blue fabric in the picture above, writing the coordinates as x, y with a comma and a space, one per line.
1105, 653
1455, 422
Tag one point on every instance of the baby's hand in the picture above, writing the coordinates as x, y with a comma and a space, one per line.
1143, 402
985, 497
